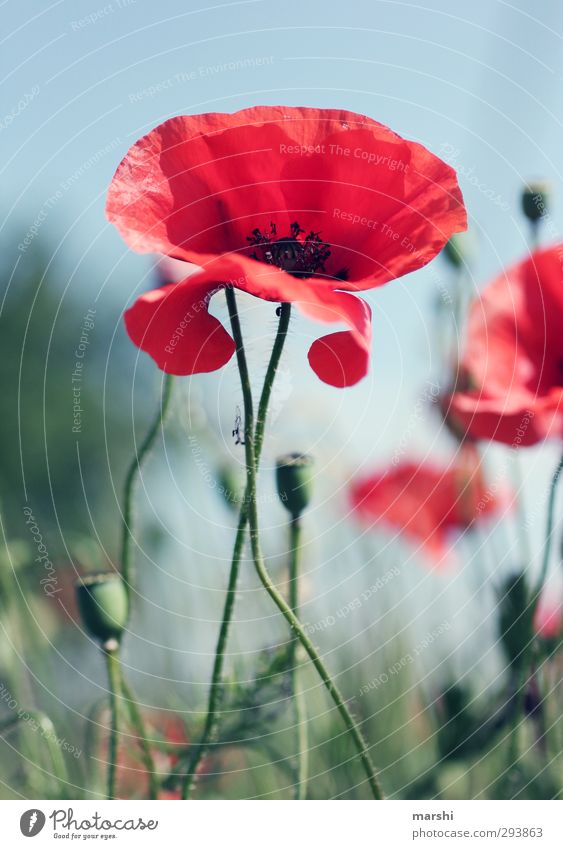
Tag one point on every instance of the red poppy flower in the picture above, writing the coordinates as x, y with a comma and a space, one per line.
289, 204
425, 502
511, 387
548, 619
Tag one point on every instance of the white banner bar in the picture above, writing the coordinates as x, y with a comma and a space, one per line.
279, 825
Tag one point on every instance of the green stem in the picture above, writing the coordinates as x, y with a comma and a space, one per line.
548, 534
278, 599
281, 335
127, 564
131, 478
522, 676
211, 719
139, 726
114, 684
49, 735
299, 706
212, 715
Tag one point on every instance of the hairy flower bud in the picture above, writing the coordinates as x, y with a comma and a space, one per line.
536, 200
103, 604
294, 478
458, 250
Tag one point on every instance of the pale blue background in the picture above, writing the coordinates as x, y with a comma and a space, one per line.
483, 78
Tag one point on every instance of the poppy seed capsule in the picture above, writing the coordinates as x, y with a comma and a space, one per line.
294, 478
457, 250
103, 604
535, 201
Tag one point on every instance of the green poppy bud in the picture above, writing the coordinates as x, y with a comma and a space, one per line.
294, 478
536, 201
458, 250
103, 604
515, 618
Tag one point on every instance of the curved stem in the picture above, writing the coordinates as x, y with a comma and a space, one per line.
299, 706
522, 676
130, 480
281, 335
548, 533
296, 626
278, 599
212, 715
49, 735
139, 726
114, 684
127, 569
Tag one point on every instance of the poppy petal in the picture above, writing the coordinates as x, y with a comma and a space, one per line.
173, 325
201, 184
511, 389
338, 359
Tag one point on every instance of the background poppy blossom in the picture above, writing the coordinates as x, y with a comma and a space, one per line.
511, 376
424, 502
288, 204
548, 618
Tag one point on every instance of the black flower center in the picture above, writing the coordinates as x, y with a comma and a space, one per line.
299, 255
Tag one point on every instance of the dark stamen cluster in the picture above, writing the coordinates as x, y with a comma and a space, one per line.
298, 255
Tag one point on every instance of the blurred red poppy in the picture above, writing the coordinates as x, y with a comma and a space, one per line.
511, 377
425, 502
548, 619
288, 204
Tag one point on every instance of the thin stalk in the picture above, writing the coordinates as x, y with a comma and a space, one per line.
131, 478
278, 599
548, 534
299, 706
114, 684
127, 568
212, 715
139, 726
281, 335
198, 750
522, 676
49, 735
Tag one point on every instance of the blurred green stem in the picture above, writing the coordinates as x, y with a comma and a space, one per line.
212, 714
127, 570
111, 650
49, 735
139, 726
523, 674
548, 535
259, 564
299, 706
131, 478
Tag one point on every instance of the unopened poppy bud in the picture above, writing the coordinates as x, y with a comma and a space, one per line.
458, 250
294, 477
515, 618
103, 604
536, 201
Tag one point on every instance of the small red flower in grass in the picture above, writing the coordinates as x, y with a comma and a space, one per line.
288, 204
511, 377
425, 502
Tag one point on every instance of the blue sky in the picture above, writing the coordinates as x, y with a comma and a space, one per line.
479, 83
